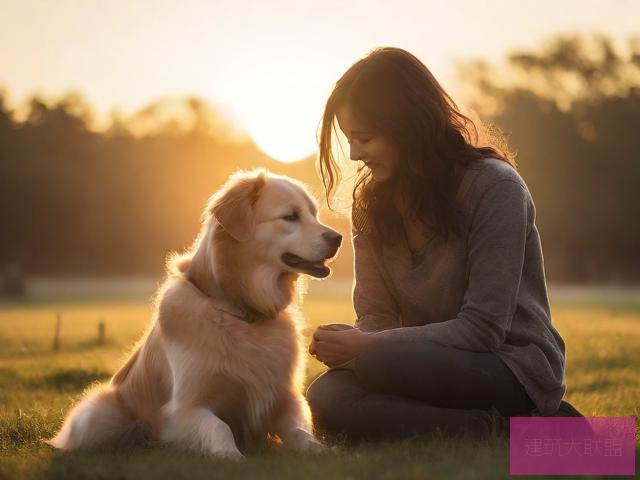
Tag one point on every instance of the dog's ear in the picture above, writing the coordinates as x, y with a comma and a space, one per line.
233, 208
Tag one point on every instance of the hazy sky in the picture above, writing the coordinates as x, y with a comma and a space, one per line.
270, 64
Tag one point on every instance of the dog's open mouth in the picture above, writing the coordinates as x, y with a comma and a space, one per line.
317, 269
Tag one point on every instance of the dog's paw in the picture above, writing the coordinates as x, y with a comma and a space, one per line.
312, 445
315, 446
228, 452
303, 441
234, 455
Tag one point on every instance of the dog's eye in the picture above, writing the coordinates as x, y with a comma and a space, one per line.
291, 218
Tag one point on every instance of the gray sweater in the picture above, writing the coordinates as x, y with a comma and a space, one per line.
482, 292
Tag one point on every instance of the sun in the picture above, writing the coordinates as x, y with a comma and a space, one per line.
283, 127
279, 105
284, 132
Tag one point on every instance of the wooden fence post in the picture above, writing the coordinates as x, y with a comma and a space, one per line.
101, 332
56, 333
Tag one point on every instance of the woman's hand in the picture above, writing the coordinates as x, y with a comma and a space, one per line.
336, 344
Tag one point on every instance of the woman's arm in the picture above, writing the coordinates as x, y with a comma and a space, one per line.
496, 247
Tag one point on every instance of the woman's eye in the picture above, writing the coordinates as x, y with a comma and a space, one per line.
291, 218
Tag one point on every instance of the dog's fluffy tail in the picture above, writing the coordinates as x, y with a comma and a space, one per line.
98, 421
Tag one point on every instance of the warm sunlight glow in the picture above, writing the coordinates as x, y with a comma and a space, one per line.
278, 104
285, 132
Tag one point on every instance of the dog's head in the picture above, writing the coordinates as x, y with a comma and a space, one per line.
260, 230
274, 221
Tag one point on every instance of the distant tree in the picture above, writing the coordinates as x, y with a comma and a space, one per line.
572, 112
77, 200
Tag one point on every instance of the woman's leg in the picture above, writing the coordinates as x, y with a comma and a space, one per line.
442, 377
399, 389
343, 410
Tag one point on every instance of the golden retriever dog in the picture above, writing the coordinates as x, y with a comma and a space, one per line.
220, 368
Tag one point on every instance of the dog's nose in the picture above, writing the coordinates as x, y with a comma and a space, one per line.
333, 238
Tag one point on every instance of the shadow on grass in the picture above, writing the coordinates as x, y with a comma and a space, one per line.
402, 459
591, 387
64, 380
35, 350
73, 379
620, 360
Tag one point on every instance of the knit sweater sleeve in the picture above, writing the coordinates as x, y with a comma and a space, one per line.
499, 223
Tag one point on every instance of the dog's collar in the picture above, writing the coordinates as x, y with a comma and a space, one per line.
249, 316
228, 308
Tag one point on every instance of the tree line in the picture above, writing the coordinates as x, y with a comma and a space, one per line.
74, 199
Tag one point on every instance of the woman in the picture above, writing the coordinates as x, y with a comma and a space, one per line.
453, 329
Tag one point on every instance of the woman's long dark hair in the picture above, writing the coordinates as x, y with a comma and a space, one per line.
395, 93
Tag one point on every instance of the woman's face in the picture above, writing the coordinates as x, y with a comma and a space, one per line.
378, 151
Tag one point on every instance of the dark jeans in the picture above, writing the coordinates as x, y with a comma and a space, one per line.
401, 389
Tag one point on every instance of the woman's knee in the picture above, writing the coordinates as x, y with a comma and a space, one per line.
330, 397
331, 389
318, 392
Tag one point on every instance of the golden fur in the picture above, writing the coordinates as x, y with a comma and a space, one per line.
221, 365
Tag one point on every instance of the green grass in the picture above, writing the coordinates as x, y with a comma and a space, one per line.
38, 385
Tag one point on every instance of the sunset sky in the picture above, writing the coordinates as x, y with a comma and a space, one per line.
269, 64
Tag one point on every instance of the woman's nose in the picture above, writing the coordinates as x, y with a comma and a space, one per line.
354, 153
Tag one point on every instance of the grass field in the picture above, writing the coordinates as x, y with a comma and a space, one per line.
38, 385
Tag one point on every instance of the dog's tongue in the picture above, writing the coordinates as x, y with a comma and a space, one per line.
317, 269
